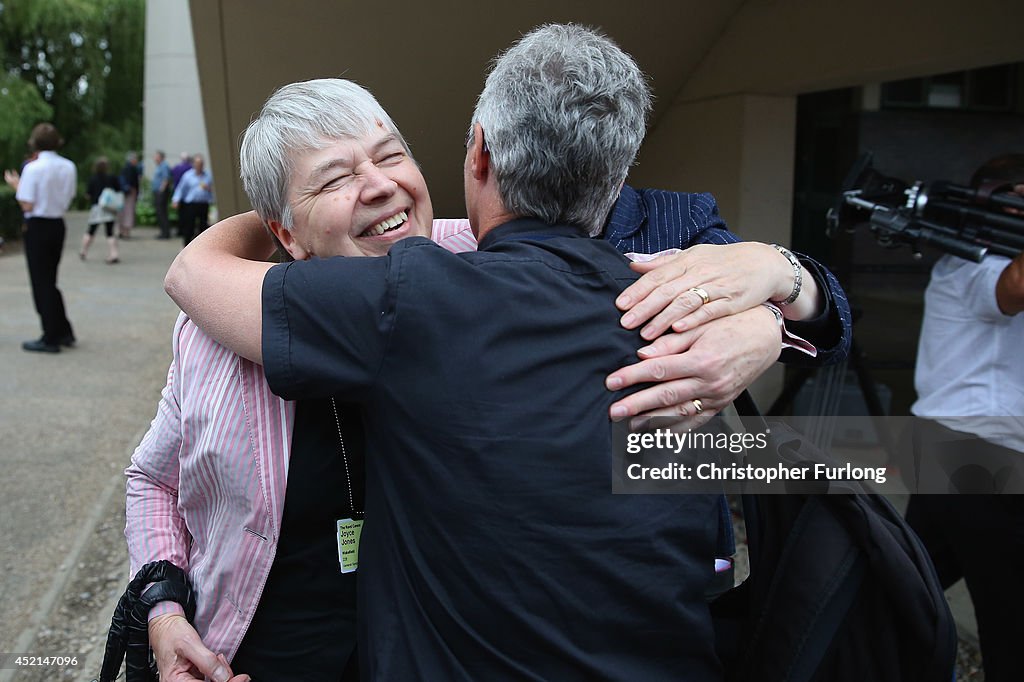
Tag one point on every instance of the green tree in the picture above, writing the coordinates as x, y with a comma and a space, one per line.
21, 106
85, 60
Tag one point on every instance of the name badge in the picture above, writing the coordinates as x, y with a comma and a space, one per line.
349, 531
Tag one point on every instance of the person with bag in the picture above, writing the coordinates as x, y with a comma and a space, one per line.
102, 211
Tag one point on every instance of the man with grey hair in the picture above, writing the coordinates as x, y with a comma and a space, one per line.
546, 159
493, 547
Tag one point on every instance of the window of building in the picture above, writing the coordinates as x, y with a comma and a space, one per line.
987, 89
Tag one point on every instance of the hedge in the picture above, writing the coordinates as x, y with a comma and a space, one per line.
11, 217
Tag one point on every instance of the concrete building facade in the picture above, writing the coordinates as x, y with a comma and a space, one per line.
173, 115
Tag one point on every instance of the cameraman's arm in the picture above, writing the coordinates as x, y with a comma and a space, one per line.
1010, 287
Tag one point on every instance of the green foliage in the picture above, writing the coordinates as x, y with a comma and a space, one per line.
11, 216
145, 212
79, 64
126, 49
84, 58
21, 106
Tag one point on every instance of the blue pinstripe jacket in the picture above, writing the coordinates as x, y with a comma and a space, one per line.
652, 220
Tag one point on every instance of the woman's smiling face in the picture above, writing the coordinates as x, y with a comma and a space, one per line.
357, 197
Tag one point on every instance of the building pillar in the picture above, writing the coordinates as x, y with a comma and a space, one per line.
173, 115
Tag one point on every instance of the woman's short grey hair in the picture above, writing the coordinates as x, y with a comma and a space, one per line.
563, 111
301, 117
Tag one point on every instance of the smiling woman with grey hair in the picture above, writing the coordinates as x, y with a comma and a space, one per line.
206, 488
302, 116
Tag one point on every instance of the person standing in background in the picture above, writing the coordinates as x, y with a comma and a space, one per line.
180, 169
162, 193
970, 398
130, 187
192, 199
99, 181
183, 166
44, 190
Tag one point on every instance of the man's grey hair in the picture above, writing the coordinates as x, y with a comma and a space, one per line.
301, 117
563, 111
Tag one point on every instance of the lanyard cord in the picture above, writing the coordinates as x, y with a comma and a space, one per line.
344, 459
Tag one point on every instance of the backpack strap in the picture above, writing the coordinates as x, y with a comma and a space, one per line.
802, 592
811, 589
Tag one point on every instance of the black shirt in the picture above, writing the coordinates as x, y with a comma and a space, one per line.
493, 548
97, 183
305, 625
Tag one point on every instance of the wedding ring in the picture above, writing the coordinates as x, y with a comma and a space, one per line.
704, 298
697, 405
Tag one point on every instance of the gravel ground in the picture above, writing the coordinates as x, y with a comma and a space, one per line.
80, 618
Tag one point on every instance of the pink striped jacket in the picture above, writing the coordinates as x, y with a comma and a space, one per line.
206, 486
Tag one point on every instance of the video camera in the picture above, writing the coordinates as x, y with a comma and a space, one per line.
962, 221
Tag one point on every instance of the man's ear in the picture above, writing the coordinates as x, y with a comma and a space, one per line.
479, 157
287, 240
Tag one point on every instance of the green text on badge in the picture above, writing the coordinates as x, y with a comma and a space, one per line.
349, 531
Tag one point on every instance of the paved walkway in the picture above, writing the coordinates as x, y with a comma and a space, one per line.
68, 425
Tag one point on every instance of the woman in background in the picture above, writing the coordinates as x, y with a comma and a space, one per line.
98, 181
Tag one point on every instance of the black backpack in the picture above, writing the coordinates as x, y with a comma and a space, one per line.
840, 587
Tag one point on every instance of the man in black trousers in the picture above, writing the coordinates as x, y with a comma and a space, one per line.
44, 190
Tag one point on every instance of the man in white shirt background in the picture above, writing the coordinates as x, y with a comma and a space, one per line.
44, 190
970, 384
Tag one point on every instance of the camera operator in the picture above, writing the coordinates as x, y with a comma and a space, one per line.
970, 384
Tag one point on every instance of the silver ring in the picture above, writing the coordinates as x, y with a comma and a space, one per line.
697, 405
704, 298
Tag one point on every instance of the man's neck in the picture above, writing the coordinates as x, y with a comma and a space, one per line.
488, 224
490, 213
